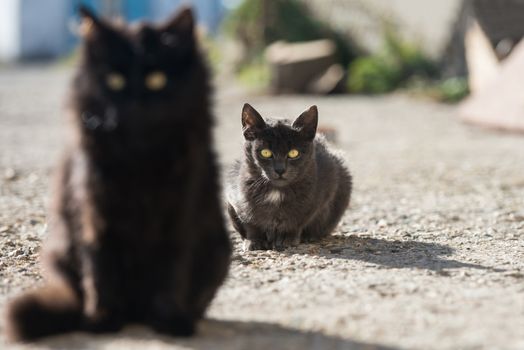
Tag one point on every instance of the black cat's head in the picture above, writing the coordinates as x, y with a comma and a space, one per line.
137, 74
281, 150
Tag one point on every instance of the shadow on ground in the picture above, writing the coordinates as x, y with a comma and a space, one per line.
213, 334
390, 254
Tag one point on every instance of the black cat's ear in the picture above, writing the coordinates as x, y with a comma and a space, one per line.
86, 12
306, 123
252, 122
89, 22
182, 22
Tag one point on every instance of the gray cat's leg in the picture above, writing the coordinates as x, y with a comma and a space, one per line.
328, 218
276, 240
284, 240
235, 220
316, 230
257, 244
256, 239
322, 226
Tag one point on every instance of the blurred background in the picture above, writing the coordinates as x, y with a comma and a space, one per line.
430, 254
441, 50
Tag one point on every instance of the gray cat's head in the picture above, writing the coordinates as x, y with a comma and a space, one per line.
281, 150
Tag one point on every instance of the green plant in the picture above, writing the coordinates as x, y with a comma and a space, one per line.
258, 23
392, 67
453, 90
450, 90
372, 74
407, 56
70, 59
213, 52
255, 75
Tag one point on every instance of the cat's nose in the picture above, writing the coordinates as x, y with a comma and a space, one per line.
280, 170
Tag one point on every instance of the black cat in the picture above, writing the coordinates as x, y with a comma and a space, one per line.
137, 231
289, 187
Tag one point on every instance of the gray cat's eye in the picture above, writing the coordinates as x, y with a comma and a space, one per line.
294, 153
266, 153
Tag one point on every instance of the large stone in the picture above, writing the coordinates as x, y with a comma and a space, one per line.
295, 67
500, 103
331, 81
482, 61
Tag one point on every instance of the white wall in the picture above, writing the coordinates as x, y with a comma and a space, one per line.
44, 28
9, 29
421, 21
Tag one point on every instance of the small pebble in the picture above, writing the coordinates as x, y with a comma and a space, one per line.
382, 223
10, 174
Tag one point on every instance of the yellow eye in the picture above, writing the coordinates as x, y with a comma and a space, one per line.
156, 81
266, 153
115, 81
293, 153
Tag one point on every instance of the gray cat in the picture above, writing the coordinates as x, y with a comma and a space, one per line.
289, 187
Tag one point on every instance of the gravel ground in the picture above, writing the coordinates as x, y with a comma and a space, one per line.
429, 256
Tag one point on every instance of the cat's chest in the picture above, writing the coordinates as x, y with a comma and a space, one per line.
277, 210
276, 203
254, 203
273, 197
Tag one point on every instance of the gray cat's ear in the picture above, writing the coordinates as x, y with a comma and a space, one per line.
307, 122
182, 22
252, 122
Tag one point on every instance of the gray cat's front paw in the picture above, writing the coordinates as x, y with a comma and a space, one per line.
256, 245
310, 239
284, 241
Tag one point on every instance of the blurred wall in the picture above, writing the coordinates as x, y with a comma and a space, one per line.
428, 23
41, 28
9, 29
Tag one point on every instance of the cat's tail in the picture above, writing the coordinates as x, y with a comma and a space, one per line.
50, 310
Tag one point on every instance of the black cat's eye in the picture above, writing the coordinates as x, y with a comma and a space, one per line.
155, 81
115, 81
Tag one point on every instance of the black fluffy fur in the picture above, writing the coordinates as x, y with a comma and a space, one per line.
136, 229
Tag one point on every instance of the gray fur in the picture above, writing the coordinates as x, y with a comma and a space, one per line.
307, 204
